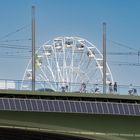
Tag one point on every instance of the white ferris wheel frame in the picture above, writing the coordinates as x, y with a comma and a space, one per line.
89, 46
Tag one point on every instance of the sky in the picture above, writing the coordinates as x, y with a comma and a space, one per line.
82, 18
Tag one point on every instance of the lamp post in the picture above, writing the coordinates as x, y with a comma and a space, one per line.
33, 48
104, 57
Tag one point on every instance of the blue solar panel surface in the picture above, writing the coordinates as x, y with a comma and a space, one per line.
91, 107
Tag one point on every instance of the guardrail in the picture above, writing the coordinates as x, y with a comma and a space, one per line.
69, 87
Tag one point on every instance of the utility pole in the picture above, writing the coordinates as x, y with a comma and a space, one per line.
33, 48
104, 57
138, 57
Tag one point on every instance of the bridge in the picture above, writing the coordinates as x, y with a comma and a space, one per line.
70, 115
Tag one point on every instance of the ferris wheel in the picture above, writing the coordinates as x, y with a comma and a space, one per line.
66, 60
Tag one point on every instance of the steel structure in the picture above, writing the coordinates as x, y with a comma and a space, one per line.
67, 61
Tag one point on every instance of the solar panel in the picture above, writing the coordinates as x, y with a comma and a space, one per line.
105, 109
34, 105
110, 108
45, 105
115, 108
28, 104
99, 106
121, 110
73, 109
12, 104
94, 108
1, 104
39, 105
17, 104
89, 109
51, 107
61, 106
83, 107
131, 109
56, 106
6, 104
137, 111
69, 106
126, 109
139, 107
23, 105
78, 107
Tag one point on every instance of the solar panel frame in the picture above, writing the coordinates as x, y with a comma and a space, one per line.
56, 106
78, 107
134, 109
18, 105
131, 109
139, 107
137, 111
51, 106
45, 105
83, 107
100, 108
42, 104
126, 109
94, 108
73, 109
110, 108
89, 109
1, 104
39, 105
6, 104
67, 105
28, 104
64, 106
121, 109
23, 105
12, 104
34, 105
105, 108
61, 106
115, 108
9, 103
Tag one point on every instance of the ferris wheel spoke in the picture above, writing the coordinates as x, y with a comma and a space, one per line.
64, 63
59, 74
76, 77
52, 73
48, 67
45, 76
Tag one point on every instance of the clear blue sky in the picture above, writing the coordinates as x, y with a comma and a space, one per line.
81, 18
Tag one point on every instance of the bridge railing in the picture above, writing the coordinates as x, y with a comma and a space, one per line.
69, 87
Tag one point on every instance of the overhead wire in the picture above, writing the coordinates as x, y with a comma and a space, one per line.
13, 46
121, 63
8, 45
17, 40
135, 52
27, 47
123, 45
18, 30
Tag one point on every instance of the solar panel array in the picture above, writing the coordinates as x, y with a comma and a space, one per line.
43, 105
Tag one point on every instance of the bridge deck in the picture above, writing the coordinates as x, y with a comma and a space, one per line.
66, 94
109, 125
